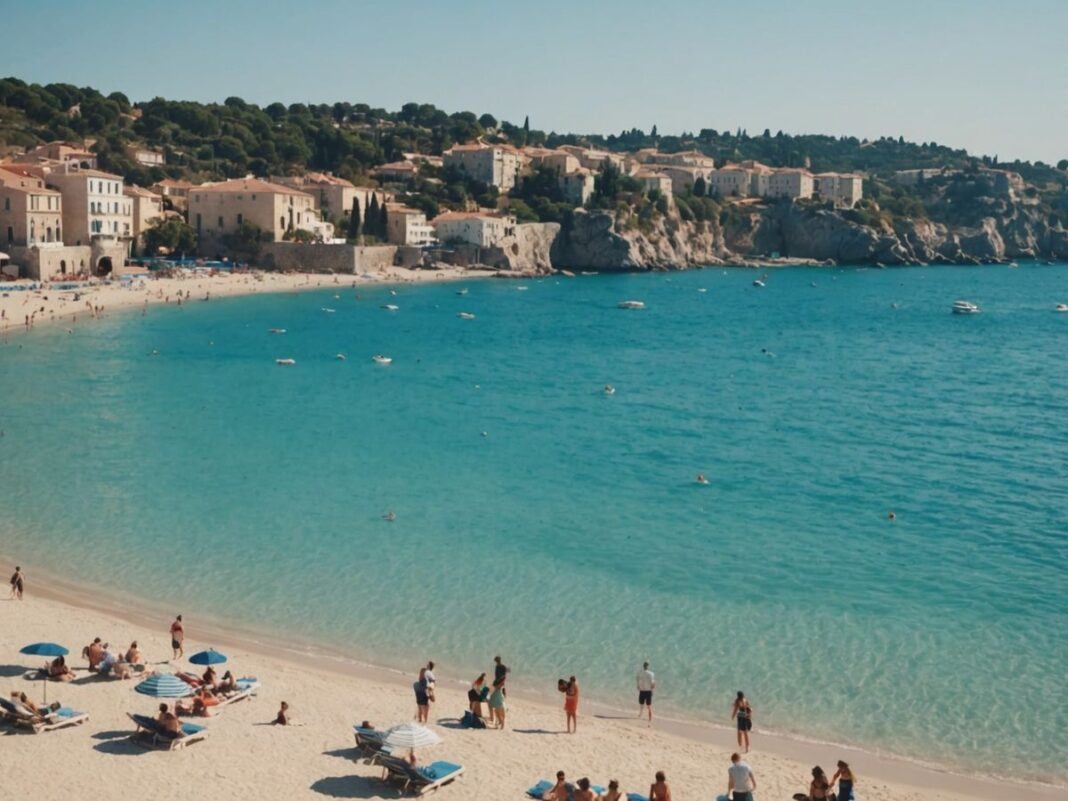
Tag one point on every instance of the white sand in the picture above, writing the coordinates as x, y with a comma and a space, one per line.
49, 305
243, 759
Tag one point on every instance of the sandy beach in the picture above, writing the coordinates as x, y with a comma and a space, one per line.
50, 304
245, 757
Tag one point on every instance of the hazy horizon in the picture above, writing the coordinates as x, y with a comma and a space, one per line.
937, 71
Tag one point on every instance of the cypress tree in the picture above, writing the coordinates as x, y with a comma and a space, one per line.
383, 222
354, 220
372, 216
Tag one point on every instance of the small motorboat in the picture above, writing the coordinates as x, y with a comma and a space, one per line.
630, 304
340, 357
758, 282
466, 316
589, 272
461, 291
1013, 265
380, 359
393, 292
390, 307
285, 362
521, 288
328, 311
276, 330
965, 307
566, 273
702, 289
1062, 307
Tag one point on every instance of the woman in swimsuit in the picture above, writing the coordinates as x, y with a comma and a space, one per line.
584, 793
474, 695
59, 671
845, 779
613, 793
496, 705
571, 700
744, 714
820, 788
660, 790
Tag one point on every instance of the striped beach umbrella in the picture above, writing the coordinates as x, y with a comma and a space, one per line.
208, 657
164, 685
411, 736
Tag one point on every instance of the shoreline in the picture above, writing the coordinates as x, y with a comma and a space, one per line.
875, 765
59, 305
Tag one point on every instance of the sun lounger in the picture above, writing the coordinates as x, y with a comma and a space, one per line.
369, 741
37, 722
246, 688
151, 735
418, 779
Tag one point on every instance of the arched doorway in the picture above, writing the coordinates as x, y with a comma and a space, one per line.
63, 267
104, 267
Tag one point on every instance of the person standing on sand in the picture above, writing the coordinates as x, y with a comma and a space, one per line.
646, 684
431, 680
422, 700
660, 791
497, 706
845, 779
178, 637
18, 583
500, 674
743, 712
571, 699
740, 780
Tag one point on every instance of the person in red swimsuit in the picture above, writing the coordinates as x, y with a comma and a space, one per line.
571, 701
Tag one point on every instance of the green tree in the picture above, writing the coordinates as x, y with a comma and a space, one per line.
169, 235
383, 222
245, 243
700, 186
1062, 164
370, 225
354, 220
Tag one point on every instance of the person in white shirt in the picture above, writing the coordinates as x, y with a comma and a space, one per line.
646, 684
740, 780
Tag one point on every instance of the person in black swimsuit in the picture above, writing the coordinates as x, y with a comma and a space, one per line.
743, 712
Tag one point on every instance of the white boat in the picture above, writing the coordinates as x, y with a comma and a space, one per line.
390, 307
393, 292
276, 330
328, 311
461, 291
566, 273
1062, 307
466, 316
702, 289
759, 283
340, 357
521, 288
380, 359
630, 304
285, 361
965, 307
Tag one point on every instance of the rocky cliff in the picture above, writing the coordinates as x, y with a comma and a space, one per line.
1005, 228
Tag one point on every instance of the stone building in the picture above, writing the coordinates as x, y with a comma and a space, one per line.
473, 227
218, 209
147, 207
407, 226
30, 212
495, 165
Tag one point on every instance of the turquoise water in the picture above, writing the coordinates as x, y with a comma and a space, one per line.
572, 537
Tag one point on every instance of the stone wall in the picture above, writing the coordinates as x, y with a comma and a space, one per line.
325, 258
50, 263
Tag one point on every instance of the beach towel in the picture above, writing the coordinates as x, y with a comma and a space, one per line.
439, 770
540, 789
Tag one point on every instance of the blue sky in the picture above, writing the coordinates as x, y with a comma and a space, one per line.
989, 76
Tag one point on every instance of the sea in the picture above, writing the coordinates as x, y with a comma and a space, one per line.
540, 517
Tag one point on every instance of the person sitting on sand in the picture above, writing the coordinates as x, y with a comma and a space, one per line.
59, 671
561, 791
740, 780
613, 793
659, 791
93, 653
133, 654
111, 664
845, 780
584, 793
282, 718
209, 678
168, 720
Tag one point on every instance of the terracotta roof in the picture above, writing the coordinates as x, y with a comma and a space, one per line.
86, 172
449, 216
16, 176
397, 166
132, 190
326, 178
249, 185
177, 184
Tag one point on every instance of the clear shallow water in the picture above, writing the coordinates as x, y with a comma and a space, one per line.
572, 538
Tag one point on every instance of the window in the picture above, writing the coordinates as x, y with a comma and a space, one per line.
220, 222
198, 223
48, 234
240, 219
59, 236
7, 204
281, 222
10, 234
32, 232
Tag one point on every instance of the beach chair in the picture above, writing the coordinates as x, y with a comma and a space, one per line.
49, 720
420, 780
369, 741
246, 688
151, 735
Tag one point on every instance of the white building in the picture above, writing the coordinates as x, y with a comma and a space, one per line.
841, 189
495, 165
790, 182
473, 227
653, 180
577, 186
407, 226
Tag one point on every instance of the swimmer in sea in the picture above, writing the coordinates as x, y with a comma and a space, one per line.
609, 389
701, 478
390, 516
891, 516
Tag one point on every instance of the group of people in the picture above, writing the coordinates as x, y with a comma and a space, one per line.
741, 782
583, 790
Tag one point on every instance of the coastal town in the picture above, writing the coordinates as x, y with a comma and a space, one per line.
61, 216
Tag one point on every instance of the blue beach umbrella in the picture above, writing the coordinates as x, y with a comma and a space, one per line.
44, 649
164, 685
208, 657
